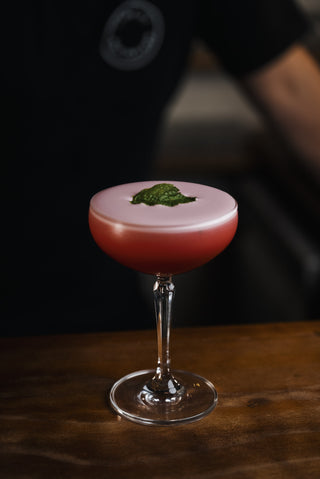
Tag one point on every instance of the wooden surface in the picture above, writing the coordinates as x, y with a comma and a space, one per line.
55, 424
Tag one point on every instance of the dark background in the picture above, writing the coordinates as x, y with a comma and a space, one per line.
61, 145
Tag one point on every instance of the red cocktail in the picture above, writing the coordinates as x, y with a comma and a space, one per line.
160, 239
163, 240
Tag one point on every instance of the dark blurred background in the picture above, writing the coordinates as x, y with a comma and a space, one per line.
54, 278
212, 134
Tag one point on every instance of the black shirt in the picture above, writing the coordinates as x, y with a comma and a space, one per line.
246, 35
83, 103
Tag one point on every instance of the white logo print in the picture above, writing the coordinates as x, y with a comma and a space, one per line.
133, 35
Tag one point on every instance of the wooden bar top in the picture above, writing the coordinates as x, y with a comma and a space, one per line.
55, 422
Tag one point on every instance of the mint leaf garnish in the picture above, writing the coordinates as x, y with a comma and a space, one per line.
161, 194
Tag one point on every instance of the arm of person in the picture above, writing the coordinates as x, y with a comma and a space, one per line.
287, 90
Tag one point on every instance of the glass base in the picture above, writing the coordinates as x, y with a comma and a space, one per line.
189, 398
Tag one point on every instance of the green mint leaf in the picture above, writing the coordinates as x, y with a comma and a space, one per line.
162, 194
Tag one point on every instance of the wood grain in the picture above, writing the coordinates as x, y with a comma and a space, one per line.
55, 422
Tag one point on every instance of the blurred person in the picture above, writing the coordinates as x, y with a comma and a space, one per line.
83, 108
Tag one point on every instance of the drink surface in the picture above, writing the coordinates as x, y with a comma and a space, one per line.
163, 239
212, 205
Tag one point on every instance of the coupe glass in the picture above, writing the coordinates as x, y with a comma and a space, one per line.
163, 241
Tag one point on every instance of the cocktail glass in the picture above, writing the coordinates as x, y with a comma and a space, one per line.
163, 241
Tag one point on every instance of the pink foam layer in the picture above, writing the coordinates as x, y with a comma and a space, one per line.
211, 206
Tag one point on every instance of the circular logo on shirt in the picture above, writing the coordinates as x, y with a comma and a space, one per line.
133, 35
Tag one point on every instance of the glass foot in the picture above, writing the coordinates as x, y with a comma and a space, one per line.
189, 397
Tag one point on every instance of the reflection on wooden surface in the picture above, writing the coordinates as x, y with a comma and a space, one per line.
55, 422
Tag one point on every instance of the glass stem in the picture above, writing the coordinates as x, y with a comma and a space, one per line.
163, 380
